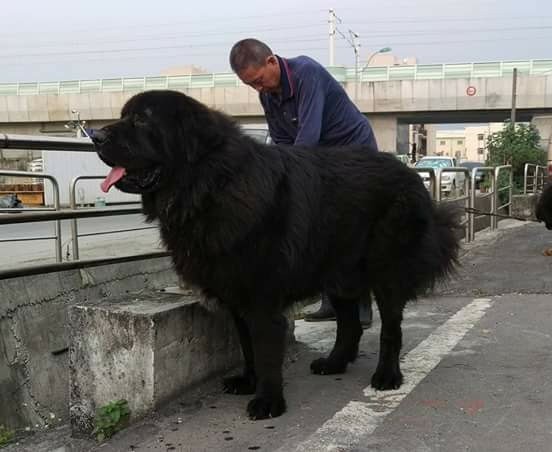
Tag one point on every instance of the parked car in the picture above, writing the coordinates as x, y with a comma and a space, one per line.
450, 182
479, 175
260, 135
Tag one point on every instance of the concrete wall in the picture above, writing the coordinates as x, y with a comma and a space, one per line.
34, 333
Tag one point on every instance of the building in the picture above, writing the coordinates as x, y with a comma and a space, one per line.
451, 143
387, 59
184, 70
467, 143
476, 140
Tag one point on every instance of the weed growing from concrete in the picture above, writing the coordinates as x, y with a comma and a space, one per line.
111, 418
6, 435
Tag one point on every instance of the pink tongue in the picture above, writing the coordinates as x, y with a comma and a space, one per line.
115, 175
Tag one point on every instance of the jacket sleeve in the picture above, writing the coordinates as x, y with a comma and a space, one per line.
311, 97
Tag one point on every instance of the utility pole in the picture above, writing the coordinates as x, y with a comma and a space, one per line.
514, 94
356, 49
331, 21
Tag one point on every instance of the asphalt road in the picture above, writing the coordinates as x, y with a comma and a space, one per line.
30, 252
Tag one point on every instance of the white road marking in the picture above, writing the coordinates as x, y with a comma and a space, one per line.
361, 418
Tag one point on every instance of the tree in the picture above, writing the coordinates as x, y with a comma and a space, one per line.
516, 145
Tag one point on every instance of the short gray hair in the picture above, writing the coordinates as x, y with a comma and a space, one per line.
248, 52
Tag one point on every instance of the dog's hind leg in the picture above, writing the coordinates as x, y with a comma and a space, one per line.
268, 336
245, 383
348, 335
388, 373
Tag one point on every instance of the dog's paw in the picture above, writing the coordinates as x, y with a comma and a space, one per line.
239, 384
265, 407
325, 366
384, 380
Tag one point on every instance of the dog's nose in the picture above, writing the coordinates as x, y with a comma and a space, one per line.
98, 136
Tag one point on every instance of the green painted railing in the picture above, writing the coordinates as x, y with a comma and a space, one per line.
228, 79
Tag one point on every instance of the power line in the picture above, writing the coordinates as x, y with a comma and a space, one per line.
174, 36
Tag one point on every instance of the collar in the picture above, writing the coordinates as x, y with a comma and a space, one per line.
286, 81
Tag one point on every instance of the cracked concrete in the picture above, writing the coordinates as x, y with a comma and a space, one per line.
34, 339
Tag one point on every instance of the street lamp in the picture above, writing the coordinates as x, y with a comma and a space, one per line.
359, 73
382, 50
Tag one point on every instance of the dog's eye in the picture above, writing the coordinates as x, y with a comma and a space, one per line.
139, 121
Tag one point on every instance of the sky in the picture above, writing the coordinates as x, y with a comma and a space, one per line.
66, 40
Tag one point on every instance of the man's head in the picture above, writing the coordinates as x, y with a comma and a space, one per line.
256, 65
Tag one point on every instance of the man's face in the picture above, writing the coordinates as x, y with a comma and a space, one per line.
265, 78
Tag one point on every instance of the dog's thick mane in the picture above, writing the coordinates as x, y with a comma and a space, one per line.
219, 162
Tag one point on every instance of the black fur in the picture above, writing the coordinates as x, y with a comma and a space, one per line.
260, 227
543, 211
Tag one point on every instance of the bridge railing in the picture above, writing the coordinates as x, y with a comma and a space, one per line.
229, 79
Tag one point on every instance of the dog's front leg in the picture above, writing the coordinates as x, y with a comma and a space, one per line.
268, 336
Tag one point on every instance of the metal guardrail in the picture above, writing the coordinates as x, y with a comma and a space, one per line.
490, 171
74, 222
57, 232
432, 180
533, 181
73, 214
499, 189
26, 215
464, 197
229, 79
469, 193
45, 143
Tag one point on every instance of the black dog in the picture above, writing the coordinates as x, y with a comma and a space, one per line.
543, 212
259, 227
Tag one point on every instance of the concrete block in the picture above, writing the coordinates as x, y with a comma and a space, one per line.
146, 349
524, 206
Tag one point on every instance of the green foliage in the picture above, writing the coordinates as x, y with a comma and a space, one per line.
6, 435
516, 146
111, 418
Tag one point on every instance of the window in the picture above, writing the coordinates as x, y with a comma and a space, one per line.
442, 142
480, 136
480, 151
460, 142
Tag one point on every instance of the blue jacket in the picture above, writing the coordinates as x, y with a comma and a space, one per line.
313, 108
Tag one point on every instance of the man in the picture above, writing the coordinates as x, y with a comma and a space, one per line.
304, 105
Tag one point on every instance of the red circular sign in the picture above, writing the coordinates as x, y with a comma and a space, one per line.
471, 90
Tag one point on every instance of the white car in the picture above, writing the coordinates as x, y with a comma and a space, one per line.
450, 182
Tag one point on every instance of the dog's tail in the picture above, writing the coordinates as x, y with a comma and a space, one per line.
418, 244
448, 232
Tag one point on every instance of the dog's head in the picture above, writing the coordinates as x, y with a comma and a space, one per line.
158, 133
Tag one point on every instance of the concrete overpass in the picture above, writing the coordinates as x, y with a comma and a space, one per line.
392, 97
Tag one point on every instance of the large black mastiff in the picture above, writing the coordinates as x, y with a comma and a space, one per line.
261, 226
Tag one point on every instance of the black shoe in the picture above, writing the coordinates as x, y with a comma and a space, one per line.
325, 312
